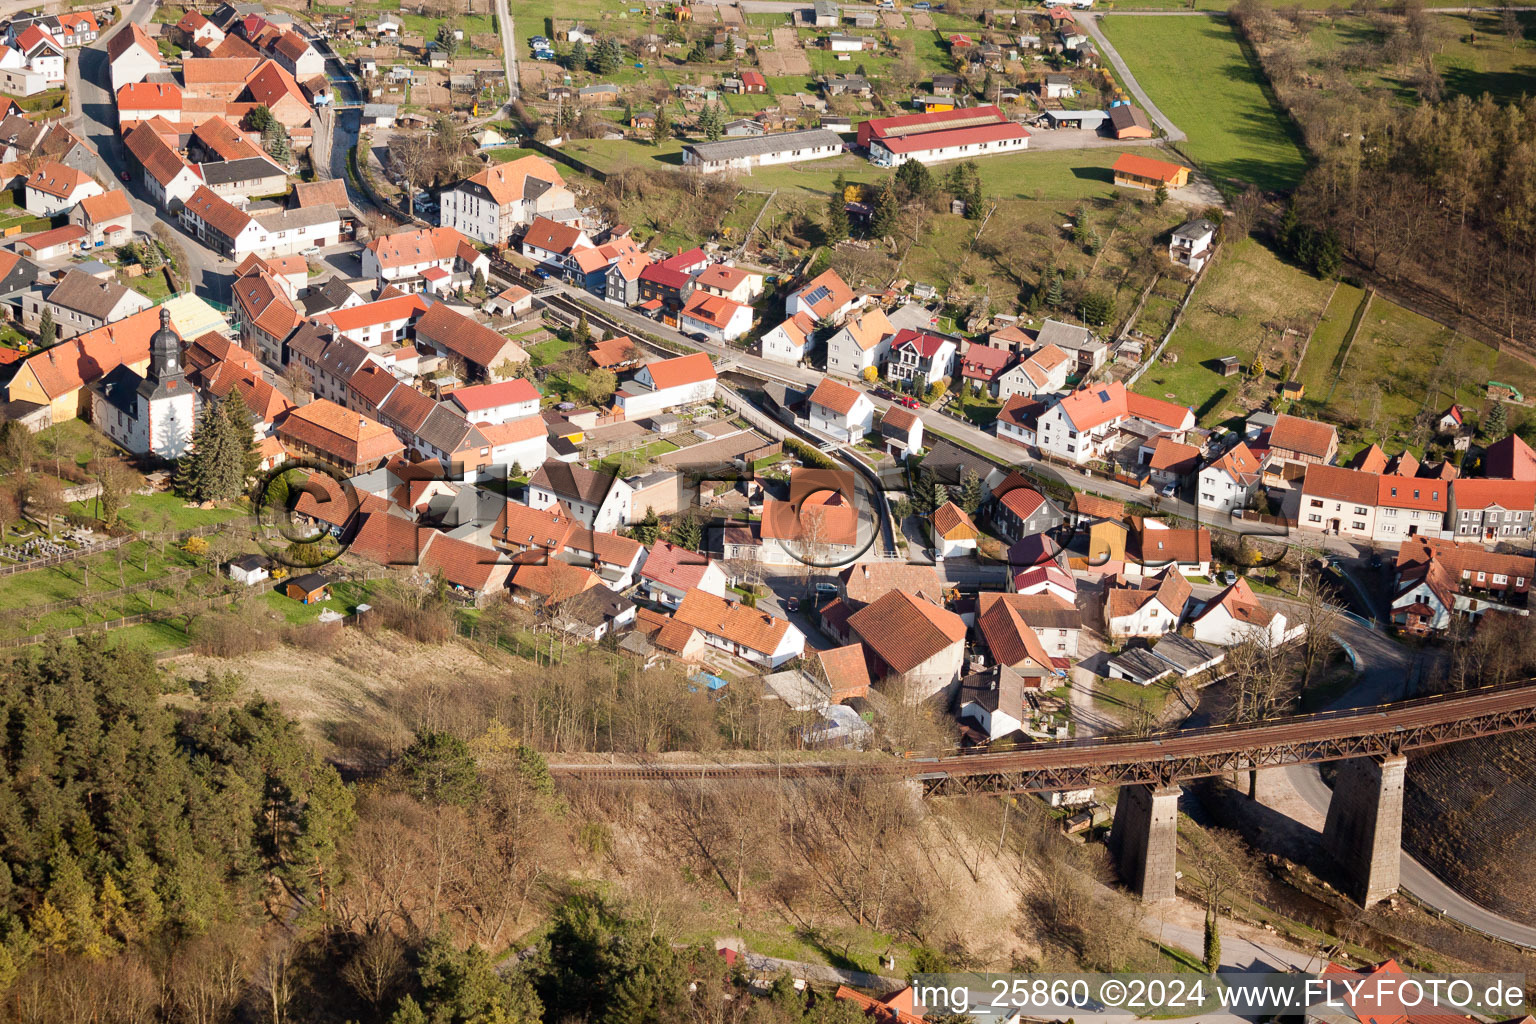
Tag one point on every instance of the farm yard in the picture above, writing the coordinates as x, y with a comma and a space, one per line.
1198, 74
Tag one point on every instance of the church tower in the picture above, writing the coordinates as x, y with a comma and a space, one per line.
168, 403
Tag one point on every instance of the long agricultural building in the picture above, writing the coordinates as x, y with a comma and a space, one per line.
746, 153
944, 135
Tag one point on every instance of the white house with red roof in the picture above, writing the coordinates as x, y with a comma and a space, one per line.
922, 354
553, 243
375, 323
1041, 372
716, 317
824, 297
1080, 427
497, 403
493, 204
734, 283
863, 341
788, 342
952, 144
667, 384
752, 635
44, 53
840, 411
982, 365
140, 101
54, 188
1235, 615
1228, 482
670, 572
400, 258
132, 55
1410, 506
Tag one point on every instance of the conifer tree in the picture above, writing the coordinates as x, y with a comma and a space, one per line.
47, 333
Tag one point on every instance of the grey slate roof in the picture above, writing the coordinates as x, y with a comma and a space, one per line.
736, 149
85, 294
287, 220
251, 168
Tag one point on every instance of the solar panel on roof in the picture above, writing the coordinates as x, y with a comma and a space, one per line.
816, 296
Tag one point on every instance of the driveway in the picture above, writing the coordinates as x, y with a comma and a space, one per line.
1090, 23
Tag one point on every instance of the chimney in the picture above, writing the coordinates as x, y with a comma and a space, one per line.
362, 422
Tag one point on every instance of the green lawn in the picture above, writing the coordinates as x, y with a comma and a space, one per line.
1123, 698
1402, 363
150, 284
1197, 73
546, 352
345, 597
1473, 55
1246, 288
1316, 371
166, 511
66, 582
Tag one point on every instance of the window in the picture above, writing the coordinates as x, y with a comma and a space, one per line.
1360, 510
1314, 519
1357, 525
1316, 503
1393, 512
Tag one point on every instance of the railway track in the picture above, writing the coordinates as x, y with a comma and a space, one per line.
1187, 754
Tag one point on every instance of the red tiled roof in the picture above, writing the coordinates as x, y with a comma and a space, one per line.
1335, 483
131, 33
551, 235
489, 396
886, 127
840, 398
58, 236
983, 363
554, 580
1303, 436
1091, 407
924, 344
906, 631
349, 437
1510, 458
715, 310
1146, 167
149, 96
464, 564
824, 518
107, 206
922, 142
1170, 456
1157, 547
57, 180
951, 522
1155, 410
746, 627
402, 307
838, 293
469, 338
1473, 492
674, 567
846, 671
405, 248
1412, 493
681, 370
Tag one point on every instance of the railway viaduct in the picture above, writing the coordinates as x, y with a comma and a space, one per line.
1365, 818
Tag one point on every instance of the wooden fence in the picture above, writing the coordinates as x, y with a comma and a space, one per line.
123, 623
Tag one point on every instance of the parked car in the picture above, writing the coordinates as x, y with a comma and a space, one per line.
541, 273
792, 604
910, 402
1170, 491
922, 5
313, 250
885, 393
1229, 577
125, 176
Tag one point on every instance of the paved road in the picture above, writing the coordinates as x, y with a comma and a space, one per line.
1090, 24
93, 105
508, 49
